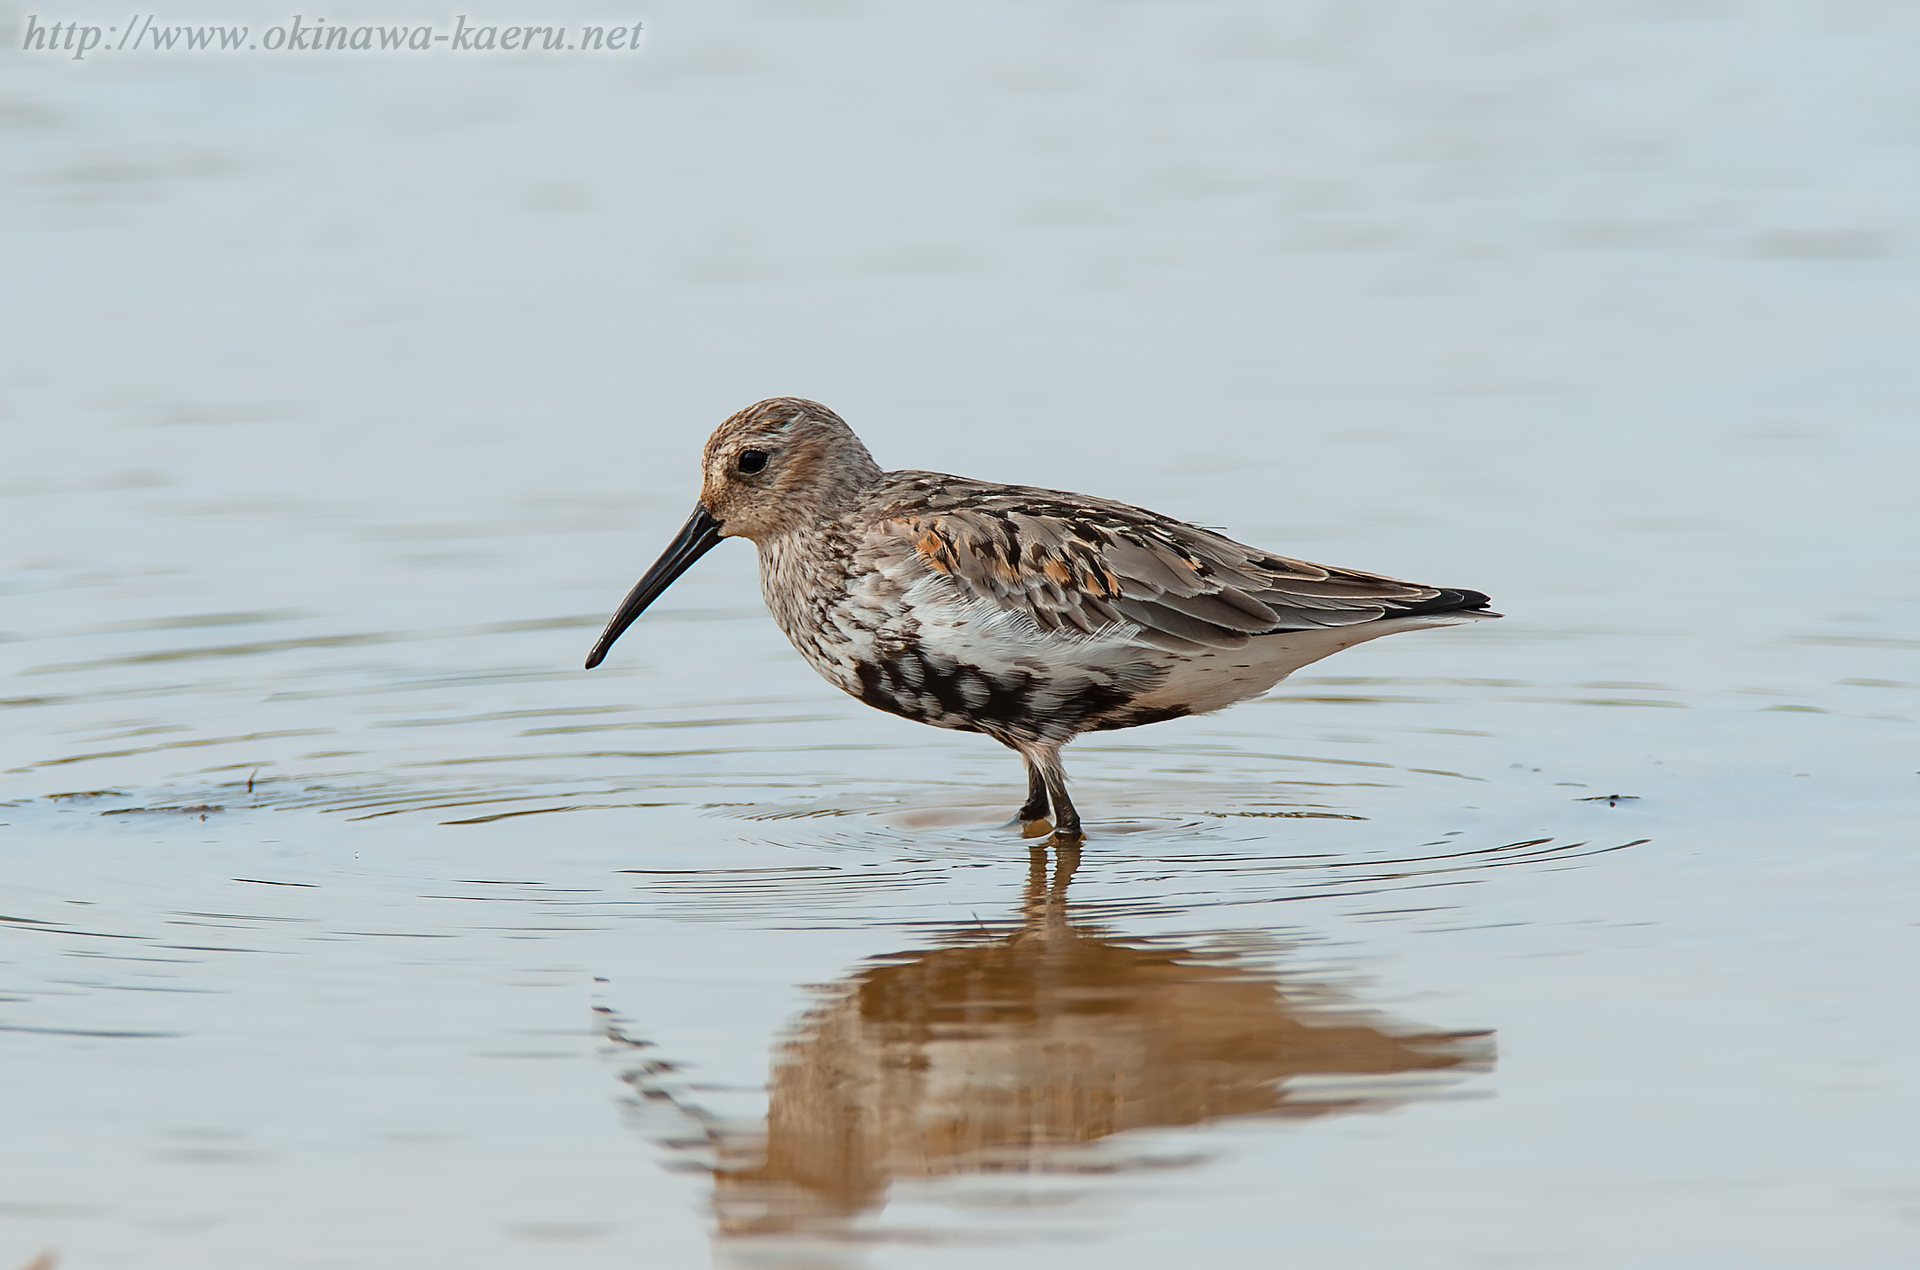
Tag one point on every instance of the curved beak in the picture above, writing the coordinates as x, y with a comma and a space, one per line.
696, 538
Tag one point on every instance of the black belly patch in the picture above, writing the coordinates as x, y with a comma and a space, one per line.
1016, 704
946, 693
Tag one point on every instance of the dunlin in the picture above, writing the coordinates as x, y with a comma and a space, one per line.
1031, 615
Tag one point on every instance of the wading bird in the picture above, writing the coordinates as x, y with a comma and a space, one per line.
1030, 615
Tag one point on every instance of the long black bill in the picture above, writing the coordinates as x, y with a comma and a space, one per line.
696, 538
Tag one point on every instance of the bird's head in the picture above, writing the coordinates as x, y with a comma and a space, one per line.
779, 466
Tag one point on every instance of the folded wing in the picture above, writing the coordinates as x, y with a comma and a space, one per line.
1081, 565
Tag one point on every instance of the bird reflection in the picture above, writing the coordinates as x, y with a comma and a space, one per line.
1026, 1049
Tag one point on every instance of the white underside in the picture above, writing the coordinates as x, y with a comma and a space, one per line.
1213, 680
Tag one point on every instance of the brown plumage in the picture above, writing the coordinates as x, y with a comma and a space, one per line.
1030, 615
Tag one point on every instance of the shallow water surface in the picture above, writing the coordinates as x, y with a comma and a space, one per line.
346, 922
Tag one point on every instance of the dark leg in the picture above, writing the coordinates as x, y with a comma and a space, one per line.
1035, 808
1066, 821
1032, 816
1045, 761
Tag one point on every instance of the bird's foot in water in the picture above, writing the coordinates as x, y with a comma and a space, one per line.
1043, 828
1070, 837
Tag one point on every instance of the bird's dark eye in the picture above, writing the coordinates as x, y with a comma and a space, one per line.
752, 460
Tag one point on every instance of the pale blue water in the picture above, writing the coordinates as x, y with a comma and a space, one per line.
343, 398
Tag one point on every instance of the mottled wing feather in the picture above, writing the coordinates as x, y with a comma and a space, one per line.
1082, 565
